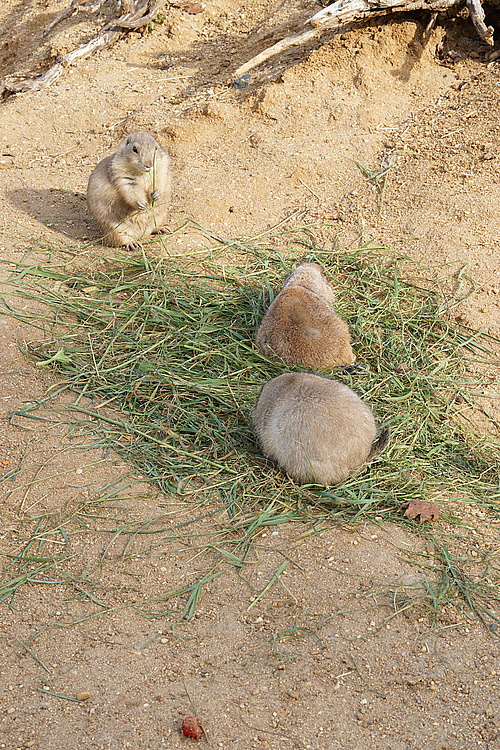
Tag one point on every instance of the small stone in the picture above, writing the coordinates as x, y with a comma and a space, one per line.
163, 640
82, 696
193, 8
488, 156
401, 369
242, 83
191, 727
10, 711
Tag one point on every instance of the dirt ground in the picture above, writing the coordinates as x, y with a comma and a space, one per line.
318, 662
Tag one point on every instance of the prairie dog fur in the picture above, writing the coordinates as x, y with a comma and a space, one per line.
129, 191
301, 326
316, 429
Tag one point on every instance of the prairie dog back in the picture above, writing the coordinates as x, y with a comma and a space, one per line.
301, 326
129, 192
316, 429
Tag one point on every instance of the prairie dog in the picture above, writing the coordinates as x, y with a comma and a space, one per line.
316, 429
301, 326
129, 192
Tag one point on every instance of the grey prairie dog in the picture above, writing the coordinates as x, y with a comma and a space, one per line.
129, 191
301, 326
316, 429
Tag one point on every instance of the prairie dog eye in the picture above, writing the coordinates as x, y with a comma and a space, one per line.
135, 150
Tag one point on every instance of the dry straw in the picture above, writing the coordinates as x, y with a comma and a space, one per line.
162, 350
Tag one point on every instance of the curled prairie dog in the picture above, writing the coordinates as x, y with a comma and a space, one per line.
301, 326
316, 429
129, 191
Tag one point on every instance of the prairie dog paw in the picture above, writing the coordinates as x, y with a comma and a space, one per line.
133, 247
141, 205
155, 195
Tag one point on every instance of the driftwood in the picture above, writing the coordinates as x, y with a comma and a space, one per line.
341, 15
130, 14
134, 14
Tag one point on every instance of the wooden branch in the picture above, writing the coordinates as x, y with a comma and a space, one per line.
341, 14
99, 41
133, 15
74, 8
477, 15
286, 43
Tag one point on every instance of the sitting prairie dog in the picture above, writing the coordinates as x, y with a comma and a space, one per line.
301, 326
316, 429
129, 192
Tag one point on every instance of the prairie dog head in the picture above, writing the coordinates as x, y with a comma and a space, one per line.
140, 151
310, 276
301, 325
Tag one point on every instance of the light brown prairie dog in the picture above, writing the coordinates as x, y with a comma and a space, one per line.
316, 429
129, 192
301, 326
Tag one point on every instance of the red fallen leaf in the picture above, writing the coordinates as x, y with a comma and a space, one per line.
191, 727
422, 510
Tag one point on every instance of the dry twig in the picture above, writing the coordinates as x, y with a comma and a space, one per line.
341, 14
132, 14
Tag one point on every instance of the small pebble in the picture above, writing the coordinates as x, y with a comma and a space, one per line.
242, 83
82, 696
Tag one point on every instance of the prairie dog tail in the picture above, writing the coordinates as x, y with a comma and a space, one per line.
379, 444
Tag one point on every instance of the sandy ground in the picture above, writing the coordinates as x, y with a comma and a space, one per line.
318, 662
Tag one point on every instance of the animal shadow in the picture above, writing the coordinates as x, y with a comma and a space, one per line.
62, 211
